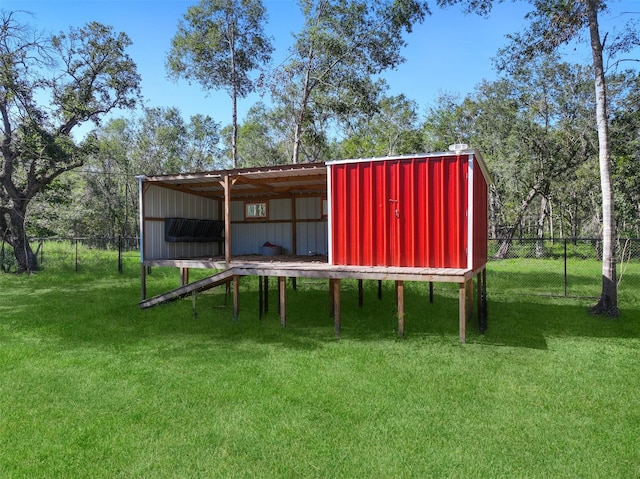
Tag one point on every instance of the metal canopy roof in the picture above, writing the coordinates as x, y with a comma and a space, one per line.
281, 180
274, 181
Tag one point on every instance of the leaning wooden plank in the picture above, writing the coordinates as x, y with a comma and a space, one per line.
202, 285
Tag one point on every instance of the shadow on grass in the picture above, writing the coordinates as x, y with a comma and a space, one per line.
104, 312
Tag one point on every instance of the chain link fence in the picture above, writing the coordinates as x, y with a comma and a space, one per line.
78, 254
569, 268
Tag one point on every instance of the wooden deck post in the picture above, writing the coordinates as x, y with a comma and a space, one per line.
184, 276
259, 297
236, 297
332, 302
400, 303
431, 292
266, 294
282, 289
462, 314
469, 289
143, 282
336, 303
360, 294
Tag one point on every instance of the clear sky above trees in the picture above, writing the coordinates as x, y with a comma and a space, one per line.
450, 52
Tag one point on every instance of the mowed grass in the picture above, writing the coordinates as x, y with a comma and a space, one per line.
92, 386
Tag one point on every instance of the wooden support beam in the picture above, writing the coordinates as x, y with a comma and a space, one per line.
479, 295
227, 220
400, 303
184, 276
236, 297
336, 303
469, 289
332, 303
260, 297
462, 313
266, 294
143, 282
360, 293
282, 288
294, 232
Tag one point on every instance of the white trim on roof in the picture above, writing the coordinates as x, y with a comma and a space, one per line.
478, 156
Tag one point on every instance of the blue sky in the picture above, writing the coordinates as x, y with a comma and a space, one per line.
450, 52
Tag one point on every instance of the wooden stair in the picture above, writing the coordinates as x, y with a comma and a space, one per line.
209, 282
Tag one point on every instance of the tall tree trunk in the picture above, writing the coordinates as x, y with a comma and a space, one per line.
234, 95
26, 259
234, 128
540, 227
304, 103
608, 303
506, 241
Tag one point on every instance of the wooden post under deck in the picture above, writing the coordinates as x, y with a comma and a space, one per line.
462, 314
259, 297
479, 293
184, 276
282, 289
266, 294
143, 282
332, 303
336, 304
236, 297
469, 288
400, 303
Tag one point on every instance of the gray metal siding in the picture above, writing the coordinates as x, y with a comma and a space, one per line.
309, 208
312, 237
164, 203
248, 238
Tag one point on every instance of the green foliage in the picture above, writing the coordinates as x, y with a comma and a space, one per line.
218, 44
392, 131
330, 70
49, 87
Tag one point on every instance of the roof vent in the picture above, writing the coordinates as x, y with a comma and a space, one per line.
458, 147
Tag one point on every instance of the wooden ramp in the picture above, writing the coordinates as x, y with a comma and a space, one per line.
202, 285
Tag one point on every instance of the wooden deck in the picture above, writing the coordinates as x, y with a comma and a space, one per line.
284, 267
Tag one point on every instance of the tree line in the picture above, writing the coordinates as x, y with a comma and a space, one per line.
555, 145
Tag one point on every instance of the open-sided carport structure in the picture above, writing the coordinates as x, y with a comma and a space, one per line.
416, 217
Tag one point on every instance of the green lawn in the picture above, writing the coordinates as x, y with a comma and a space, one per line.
92, 386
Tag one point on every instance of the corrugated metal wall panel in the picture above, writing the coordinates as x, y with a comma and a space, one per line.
309, 208
164, 203
280, 209
403, 212
312, 237
237, 211
248, 238
158, 248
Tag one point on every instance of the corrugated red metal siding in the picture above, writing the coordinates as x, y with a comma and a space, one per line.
480, 217
400, 212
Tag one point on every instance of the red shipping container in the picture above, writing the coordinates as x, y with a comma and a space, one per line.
411, 211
